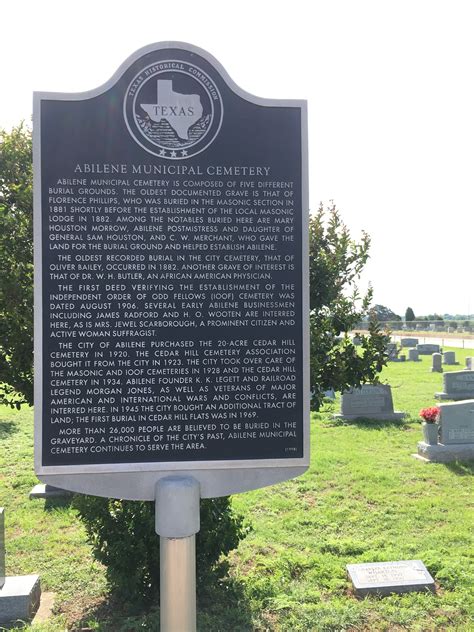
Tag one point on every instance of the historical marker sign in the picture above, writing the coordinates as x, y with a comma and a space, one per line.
171, 281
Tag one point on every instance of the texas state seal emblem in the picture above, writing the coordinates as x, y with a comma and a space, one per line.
173, 109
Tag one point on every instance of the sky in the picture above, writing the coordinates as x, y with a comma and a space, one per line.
390, 94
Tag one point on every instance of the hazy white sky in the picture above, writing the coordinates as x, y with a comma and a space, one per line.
391, 107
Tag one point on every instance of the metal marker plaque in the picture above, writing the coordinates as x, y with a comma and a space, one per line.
171, 281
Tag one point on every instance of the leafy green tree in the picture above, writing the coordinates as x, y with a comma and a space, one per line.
409, 315
385, 314
16, 278
335, 264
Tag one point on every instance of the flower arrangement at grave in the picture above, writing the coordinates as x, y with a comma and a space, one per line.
430, 415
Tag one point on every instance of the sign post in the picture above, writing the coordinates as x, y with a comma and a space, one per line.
171, 287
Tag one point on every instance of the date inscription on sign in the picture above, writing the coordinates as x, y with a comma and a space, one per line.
171, 280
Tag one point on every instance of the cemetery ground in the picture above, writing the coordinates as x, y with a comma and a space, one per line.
364, 499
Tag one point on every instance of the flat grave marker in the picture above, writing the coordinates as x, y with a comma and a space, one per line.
384, 578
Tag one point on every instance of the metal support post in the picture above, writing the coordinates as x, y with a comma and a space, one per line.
177, 522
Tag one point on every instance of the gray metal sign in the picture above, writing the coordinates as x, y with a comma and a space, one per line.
171, 287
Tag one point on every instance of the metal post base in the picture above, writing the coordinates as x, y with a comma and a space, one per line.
177, 522
178, 584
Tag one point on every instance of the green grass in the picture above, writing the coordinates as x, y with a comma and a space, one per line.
365, 498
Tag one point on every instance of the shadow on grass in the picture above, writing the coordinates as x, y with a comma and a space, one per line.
7, 428
369, 424
223, 607
460, 468
55, 504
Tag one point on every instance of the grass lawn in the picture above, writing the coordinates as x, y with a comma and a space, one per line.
365, 498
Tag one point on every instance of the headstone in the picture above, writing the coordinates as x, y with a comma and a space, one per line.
428, 349
436, 359
456, 440
391, 350
449, 358
19, 595
370, 401
409, 342
413, 355
330, 394
470, 363
457, 422
384, 578
49, 492
2, 547
19, 598
457, 385
174, 269
357, 341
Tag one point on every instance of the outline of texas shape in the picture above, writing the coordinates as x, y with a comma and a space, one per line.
180, 110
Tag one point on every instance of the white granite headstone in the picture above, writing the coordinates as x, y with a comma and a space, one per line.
384, 578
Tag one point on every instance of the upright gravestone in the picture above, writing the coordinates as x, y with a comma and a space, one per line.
449, 358
428, 349
370, 401
436, 363
456, 420
171, 268
409, 342
470, 363
457, 423
413, 355
457, 385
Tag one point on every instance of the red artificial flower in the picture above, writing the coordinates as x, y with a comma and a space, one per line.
431, 414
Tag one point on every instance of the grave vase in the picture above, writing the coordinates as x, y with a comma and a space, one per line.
430, 433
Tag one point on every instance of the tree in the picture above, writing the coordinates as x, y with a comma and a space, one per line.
409, 315
336, 307
385, 314
16, 279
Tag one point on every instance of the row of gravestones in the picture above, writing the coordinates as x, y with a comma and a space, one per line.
454, 436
